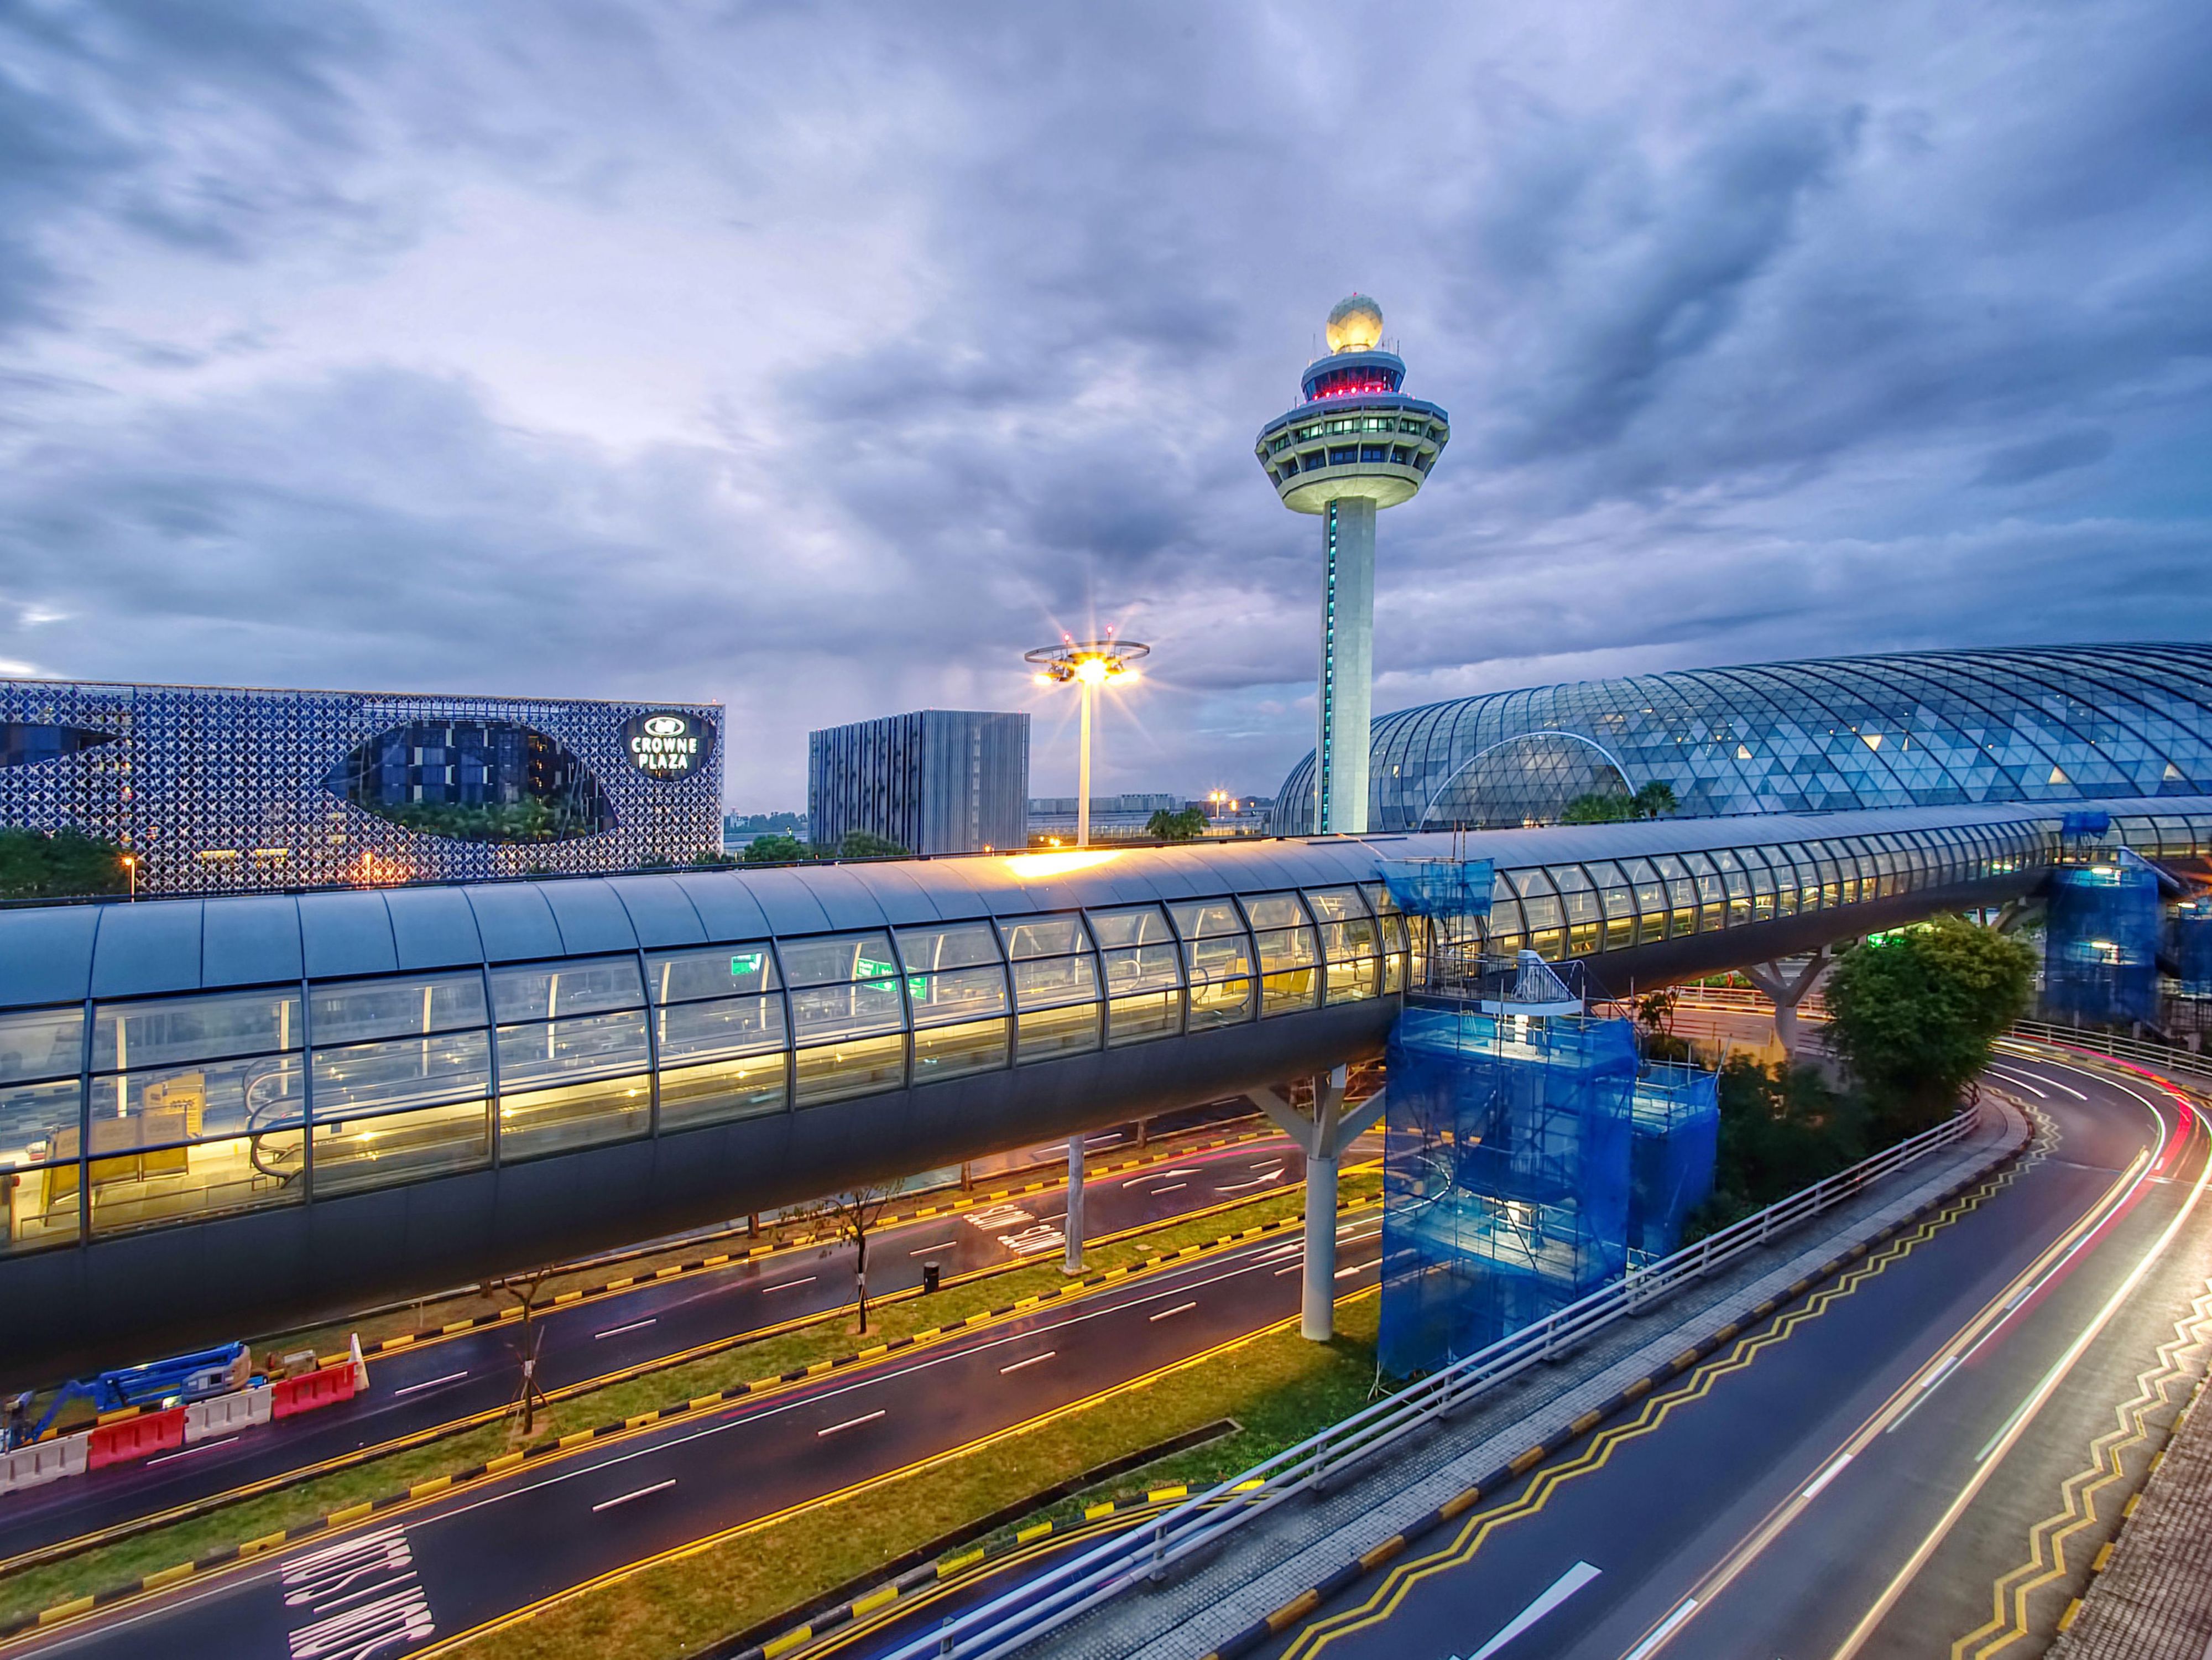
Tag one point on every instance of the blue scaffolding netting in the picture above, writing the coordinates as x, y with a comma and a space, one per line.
1677, 1125
2192, 945
1506, 1160
2100, 943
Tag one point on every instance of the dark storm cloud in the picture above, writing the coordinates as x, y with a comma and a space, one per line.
822, 359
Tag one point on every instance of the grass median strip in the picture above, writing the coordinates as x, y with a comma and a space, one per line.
111, 1571
1276, 1385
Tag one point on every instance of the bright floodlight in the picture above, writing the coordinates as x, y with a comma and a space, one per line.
1088, 665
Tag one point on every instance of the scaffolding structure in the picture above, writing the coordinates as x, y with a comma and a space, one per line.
2189, 934
2100, 941
1676, 1122
1506, 1175
1447, 903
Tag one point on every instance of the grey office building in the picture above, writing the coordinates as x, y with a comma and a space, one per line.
937, 780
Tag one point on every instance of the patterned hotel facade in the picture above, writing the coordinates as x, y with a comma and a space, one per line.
225, 789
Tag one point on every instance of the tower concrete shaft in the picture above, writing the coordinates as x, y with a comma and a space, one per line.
1347, 666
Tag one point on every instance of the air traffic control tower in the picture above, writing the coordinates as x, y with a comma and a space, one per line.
1354, 446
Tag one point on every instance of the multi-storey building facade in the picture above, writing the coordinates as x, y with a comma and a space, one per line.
217, 788
936, 781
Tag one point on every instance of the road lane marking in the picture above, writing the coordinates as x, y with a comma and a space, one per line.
942, 1244
1177, 1187
1836, 1466
450, 1378
2018, 1079
1239, 1186
1650, 1645
634, 1325
852, 1423
1561, 1588
1349, 1269
1032, 1361
204, 1446
1292, 1269
790, 1285
1179, 1308
642, 1493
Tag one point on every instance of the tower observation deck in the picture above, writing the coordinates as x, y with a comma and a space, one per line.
1354, 446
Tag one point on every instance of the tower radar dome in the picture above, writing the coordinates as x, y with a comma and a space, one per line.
1355, 325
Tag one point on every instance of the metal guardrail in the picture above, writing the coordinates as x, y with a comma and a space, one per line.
1200, 1523
2120, 1049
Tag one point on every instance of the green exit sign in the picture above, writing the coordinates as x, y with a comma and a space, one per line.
746, 964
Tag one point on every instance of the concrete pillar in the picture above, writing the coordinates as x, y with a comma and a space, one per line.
1317, 1307
1786, 992
1071, 1224
1347, 666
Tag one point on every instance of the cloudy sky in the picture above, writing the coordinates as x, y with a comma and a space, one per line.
819, 359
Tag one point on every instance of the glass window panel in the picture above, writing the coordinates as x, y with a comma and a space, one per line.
41, 1043
1042, 1034
557, 1051
958, 945
1049, 981
957, 994
404, 1072
1143, 1016
149, 1187
1044, 936
1275, 910
582, 985
1336, 905
407, 1146
954, 1051
1219, 1002
1353, 981
716, 1094
859, 1066
355, 1011
206, 1027
573, 1115
1206, 919
844, 987
1567, 878
726, 1026
1139, 925
686, 977
167, 1105
38, 1189
837, 959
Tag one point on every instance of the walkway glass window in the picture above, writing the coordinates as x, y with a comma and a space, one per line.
957, 988
41, 1106
410, 1095
847, 1015
720, 1033
1055, 986
1350, 946
1217, 960
1139, 956
579, 1072
1289, 953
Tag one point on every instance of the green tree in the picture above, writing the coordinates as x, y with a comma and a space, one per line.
865, 844
1914, 1016
1781, 1129
1597, 807
37, 866
1184, 824
777, 850
1654, 801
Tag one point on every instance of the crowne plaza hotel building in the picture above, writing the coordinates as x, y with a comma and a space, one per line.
224, 788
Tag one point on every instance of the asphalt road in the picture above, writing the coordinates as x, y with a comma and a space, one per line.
434, 1383
1854, 1478
442, 1567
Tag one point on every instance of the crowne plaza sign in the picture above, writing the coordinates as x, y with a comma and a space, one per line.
669, 743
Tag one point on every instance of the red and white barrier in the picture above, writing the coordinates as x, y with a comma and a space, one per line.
227, 1414
129, 1439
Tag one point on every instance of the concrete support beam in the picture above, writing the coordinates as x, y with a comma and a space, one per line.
1786, 991
1323, 1132
1071, 1224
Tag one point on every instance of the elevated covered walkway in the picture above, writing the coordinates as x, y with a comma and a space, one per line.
224, 1113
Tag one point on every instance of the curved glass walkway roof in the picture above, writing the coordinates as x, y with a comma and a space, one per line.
1911, 729
173, 1061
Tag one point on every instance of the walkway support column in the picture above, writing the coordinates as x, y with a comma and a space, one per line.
1786, 991
1071, 1224
1323, 1132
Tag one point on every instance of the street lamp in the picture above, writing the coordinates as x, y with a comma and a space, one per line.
1090, 664
131, 868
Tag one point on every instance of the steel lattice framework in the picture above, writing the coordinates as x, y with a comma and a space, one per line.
1911, 729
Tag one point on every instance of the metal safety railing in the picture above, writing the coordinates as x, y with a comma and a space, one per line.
1065, 1593
2120, 1049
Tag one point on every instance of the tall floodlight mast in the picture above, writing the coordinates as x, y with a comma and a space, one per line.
1353, 447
